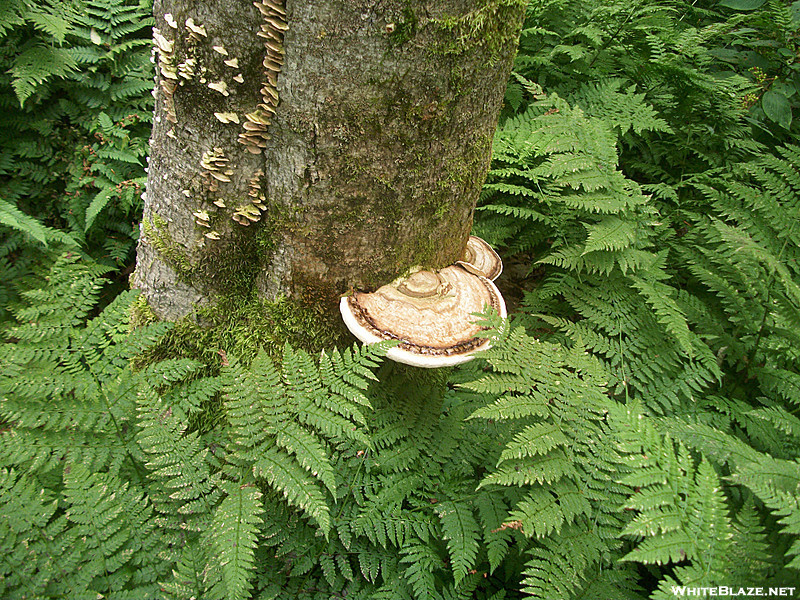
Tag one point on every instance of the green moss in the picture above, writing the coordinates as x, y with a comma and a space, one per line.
404, 30
157, 233
461, 174
494, 26
141, 313
228, 265
241, 328
422, 252
319, 299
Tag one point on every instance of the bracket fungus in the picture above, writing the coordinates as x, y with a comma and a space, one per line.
430, 313
481, 259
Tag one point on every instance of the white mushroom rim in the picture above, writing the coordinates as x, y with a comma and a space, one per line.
431, 314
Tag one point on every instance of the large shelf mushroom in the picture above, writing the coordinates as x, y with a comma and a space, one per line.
431, 313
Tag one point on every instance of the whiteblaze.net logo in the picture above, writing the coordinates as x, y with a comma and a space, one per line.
732, 591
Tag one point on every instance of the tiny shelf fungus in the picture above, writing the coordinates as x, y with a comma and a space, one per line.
431, 313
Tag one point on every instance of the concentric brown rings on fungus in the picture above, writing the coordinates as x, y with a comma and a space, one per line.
481, 259
430, 313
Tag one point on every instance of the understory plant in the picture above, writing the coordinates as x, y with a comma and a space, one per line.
634, 177
75, 96
522, 474
632, 430
334, 476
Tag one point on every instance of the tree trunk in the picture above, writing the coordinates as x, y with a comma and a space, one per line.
328, 149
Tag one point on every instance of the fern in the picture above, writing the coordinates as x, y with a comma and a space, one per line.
114, 531
28, 533
183, 489
668, 249
422, 562
72, 368
16, 219
460, 529
691, 500
776, 484
232, 535
293, 452
635, 429
35, 65
560, 567
558, 452
492, 511
684, 518
189, 576
75, 165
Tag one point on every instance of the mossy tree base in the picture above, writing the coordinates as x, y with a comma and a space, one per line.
241, 330
371, 163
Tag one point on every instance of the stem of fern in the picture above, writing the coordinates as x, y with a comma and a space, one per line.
762, 326
140, 472
612, 37
335, 519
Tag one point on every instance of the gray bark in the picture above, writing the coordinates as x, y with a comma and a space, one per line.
371, 163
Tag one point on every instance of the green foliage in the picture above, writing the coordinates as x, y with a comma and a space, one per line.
767, 49
636, 427
12, 217
291, 454
561, 454
75, 81
316, 479
232, 537
66, 398
666, 238
687, 516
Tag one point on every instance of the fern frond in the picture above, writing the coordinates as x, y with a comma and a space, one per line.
51, 23
461, 531
37, 64
232, 535
534, 440
184, 490
658, 296
12, 217
558, 565
310, 453
190, 579
30, 534
114, 523
545, 510
492, 512
777, 484
299, 489
81, 369
609, 234
422, 562
11, 15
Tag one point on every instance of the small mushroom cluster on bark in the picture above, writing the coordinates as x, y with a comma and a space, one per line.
431, 313
273, 28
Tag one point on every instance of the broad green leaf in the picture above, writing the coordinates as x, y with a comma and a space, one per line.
777, 108
742, 4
